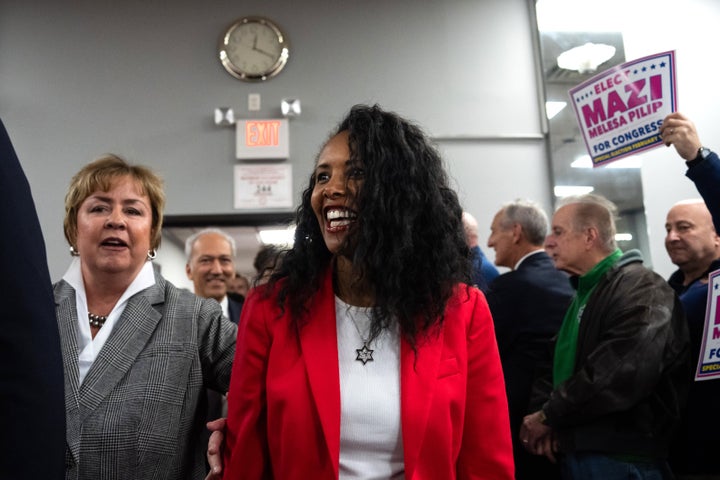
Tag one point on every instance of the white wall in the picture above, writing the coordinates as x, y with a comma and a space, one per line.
500, 172
141, 79
172, 260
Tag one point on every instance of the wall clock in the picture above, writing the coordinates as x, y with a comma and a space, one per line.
254, 49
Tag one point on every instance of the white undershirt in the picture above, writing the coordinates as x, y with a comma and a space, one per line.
370, 428
89, 347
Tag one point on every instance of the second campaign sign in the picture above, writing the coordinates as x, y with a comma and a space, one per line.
620, 110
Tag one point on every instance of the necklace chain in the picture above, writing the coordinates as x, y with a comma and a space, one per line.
364, 354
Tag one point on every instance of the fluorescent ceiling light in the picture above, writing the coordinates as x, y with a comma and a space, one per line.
282, 237
584, 161
568, 190
630, 162
552, 108
623, 237
585, 58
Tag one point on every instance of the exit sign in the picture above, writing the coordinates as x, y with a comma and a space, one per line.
262, 139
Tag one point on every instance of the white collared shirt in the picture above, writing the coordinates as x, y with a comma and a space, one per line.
89, 347
517, 265
225, 305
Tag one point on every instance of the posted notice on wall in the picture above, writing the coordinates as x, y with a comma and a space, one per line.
264, 186
708, 367
621, 109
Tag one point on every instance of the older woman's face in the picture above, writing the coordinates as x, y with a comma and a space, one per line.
337, 182
113, 229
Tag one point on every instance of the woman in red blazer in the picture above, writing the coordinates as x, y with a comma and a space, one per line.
368, 355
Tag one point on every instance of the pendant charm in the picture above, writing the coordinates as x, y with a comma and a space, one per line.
364, 354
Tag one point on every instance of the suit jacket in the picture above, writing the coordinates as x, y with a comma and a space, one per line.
528, 306
284, 399
32, 418
136, 414
234, 309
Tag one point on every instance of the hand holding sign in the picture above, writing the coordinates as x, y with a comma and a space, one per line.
678, 130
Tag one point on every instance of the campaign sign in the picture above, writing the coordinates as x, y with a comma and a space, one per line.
620, 110
709, 362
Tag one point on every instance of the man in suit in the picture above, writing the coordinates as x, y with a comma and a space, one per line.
32, 418
527, 304
211, 266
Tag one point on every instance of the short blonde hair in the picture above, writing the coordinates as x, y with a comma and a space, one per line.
98, 176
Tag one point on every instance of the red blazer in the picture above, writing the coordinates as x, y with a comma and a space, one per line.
284, 399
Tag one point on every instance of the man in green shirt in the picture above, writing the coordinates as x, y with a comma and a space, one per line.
621, 366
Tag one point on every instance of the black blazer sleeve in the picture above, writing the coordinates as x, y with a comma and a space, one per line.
32, 418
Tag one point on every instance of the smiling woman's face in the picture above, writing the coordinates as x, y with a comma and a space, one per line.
113, 229
337, 182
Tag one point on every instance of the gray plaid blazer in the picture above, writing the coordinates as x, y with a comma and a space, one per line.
140, 411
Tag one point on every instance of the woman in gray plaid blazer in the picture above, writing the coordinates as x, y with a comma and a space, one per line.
138, 353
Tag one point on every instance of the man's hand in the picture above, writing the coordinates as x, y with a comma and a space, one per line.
678, 130
215, 449
537, 437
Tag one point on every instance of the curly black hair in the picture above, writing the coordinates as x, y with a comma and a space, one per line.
408, 243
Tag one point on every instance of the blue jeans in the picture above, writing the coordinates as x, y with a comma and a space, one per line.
591, 466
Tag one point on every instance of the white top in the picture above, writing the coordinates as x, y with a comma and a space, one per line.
517, 265
370, 427
87, 346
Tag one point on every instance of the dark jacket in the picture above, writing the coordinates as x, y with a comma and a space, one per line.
705, 174
235, 304
32, 399
631, 368
690, 453
527, 305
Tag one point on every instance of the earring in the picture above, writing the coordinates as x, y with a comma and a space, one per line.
73, 251
152, 254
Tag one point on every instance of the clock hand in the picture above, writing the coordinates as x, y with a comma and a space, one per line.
254, 47
264, 52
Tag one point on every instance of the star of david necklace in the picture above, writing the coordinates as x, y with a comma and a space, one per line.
364, 354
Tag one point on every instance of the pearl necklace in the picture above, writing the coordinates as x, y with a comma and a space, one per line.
97, 320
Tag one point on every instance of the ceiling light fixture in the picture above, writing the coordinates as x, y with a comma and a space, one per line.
281, 237
568, 190
552, 108
585, 58
584, 161
623, 237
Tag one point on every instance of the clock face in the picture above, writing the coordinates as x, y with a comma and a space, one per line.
254, 49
